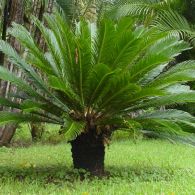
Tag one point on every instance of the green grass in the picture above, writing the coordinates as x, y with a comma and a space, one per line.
148, 167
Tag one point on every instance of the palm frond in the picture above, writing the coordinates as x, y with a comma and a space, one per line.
167, 121
36, 56
138, 7
172, 22
165, 100
10, 117
73, 129
116, 75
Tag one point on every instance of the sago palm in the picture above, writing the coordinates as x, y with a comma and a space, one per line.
97, 81
147, 9
160, 13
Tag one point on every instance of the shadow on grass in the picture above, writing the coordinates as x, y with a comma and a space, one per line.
59, 174
143, 173
52, 174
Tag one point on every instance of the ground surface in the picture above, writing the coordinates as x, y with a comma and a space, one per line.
148, 167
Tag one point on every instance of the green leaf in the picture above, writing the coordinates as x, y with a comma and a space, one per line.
8, 103
10, 117
73, 129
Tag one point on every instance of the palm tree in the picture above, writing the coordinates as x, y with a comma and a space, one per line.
146, 9
98, 81
164, 14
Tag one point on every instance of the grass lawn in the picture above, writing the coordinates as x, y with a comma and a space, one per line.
148, 167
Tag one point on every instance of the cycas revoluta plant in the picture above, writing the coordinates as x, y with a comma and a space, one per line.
164, 14
147, 9
98, 81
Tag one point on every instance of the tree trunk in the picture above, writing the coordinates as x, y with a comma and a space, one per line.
16, 13
4, 28
6, 13
6, 134
37, 131
88, 152
39, 9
